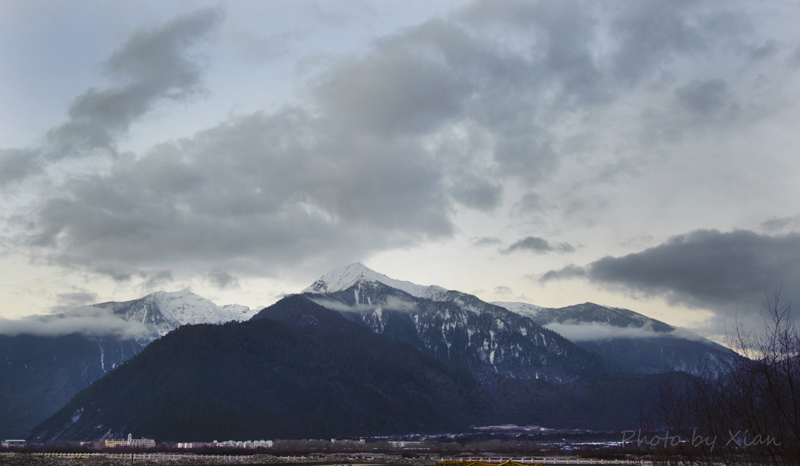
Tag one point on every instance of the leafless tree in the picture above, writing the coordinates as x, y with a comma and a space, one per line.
749, 414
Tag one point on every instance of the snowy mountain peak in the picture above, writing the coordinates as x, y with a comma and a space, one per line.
186, 308
343, 278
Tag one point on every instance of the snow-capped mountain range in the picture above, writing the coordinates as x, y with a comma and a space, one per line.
457, 328
161, 312
505, 346
503, 337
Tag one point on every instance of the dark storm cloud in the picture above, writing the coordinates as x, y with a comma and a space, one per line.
538, 245
151, 67
388, 146
726, 272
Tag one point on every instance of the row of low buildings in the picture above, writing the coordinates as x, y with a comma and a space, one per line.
150, 443
132, 442
12, 443
252, 444
228, 444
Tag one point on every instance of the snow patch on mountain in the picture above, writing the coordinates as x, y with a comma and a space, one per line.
141, 319
240, 313
186, 308
167, 311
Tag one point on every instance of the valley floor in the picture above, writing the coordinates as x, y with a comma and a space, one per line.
163, 459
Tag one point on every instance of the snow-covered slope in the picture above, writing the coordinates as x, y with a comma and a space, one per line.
460, 329
187, 308
162, 312
457, 328
239, 313
345, 277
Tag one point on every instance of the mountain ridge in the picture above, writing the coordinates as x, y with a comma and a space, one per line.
286, 376
43, 371
633, 342
515, 358
460, 330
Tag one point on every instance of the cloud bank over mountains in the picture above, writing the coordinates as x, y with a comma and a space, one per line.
732, 273
566, 114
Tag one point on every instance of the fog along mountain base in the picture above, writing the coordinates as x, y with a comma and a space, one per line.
358, 353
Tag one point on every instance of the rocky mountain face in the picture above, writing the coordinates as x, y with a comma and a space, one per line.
39, 373
516, 339
463, 332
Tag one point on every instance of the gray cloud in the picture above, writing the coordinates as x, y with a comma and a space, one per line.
222, 279
156, 279
729, 273
538, 245
530, 203
152, 66
69, 301
568, 272
777, 224
387, 147
274, 197
486, 241
708, 98
477, 193
16, 164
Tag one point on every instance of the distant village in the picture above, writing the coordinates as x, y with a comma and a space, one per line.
498, 438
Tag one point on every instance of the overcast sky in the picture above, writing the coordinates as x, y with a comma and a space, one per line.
629, 153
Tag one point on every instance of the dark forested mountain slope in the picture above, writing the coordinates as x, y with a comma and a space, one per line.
359, 353
39, 374
319, 376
